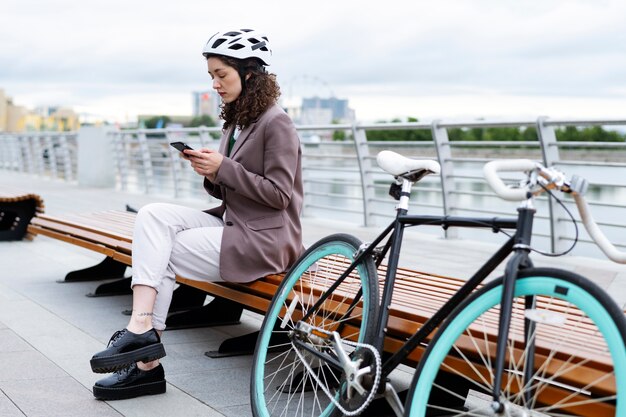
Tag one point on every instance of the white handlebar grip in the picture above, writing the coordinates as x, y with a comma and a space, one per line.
491, 170
595, 233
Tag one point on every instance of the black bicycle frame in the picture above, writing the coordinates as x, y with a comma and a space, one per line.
403, 220
519, 244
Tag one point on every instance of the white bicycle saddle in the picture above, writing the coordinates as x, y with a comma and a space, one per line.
401, 166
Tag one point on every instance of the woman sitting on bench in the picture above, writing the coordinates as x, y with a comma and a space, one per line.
254, 232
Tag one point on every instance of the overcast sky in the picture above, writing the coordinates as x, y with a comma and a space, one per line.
426, 59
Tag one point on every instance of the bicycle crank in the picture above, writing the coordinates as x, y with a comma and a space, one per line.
361, 367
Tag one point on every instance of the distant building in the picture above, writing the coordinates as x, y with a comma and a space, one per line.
315, 116
11, 116
18, 119
206, 103
326, 110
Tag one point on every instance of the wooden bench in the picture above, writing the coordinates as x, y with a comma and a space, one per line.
417, 296
17, 208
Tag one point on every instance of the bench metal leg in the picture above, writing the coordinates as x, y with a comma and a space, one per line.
245, 344
109, 268
117, 287
186, 297
235, 346
219, 312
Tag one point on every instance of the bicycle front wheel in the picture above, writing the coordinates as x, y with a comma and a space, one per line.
290, 382
565, 354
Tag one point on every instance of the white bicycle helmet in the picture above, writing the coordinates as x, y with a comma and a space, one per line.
241, 44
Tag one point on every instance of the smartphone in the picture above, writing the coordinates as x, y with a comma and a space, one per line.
181, 146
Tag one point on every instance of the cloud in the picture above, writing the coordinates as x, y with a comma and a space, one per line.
96, 53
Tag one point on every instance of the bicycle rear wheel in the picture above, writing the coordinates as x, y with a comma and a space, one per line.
566, 335
282, 385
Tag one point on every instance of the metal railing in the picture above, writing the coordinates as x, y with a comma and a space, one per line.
343, 182
48, 154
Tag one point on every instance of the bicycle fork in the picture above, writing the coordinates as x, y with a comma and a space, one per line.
519, 260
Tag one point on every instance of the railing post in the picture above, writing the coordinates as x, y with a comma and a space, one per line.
52, 156
146, 161
25, 150
365, 168
38, 161
67, 158
175, 163
444, 155
95, 167
550, 152
6, 151
205, 137
119, 144
19, 154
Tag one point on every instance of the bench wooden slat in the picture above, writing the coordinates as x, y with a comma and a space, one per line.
87, 235
96, 247
80, 224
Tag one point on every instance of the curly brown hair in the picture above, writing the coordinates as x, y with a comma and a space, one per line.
259, 92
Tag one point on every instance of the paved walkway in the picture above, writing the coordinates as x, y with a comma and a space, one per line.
48, 331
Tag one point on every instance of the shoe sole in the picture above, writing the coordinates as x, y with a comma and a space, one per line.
122, 360
111, 394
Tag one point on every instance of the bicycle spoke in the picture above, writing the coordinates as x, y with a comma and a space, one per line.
573, 367
473, 367
456, 372
307, 382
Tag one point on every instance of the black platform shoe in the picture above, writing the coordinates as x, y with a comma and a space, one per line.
130, 382
125, 348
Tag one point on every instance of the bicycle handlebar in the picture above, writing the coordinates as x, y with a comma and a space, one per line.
595, 233
553, 179
505, 192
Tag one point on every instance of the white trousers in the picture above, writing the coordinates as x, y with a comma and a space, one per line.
170, 240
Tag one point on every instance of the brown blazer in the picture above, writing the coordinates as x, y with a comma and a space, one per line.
260, 186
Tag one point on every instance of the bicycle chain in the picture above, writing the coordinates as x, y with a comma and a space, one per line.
372, 393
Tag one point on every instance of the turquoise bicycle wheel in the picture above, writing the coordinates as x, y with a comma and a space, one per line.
282, 385
565, 353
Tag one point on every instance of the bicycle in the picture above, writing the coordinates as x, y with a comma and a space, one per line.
510, 347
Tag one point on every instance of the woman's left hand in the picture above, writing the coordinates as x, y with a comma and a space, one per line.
205, 162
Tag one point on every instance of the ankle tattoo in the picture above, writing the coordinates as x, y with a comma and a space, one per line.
142, 314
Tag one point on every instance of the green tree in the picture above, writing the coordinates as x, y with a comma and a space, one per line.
160, 121
204, 120
340, 135
588, 134
530, 134
456, 134
400, 135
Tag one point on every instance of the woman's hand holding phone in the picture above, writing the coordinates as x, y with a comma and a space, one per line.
205, 162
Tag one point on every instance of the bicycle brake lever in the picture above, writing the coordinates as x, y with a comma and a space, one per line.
579, 185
